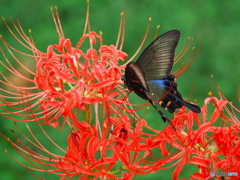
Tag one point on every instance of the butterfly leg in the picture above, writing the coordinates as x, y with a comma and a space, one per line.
164, 118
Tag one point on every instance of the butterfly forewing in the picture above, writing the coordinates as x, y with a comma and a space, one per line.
157, 58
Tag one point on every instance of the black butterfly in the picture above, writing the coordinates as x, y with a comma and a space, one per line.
150, 76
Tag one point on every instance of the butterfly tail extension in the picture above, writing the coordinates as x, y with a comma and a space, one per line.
174, 101
171, 103
192, 107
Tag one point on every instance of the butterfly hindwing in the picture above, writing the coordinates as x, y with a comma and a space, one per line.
165, 92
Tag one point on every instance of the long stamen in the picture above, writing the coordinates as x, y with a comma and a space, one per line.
87, 21
188, 60
156, 33
142, 42
121, 31
20, 32
57, 22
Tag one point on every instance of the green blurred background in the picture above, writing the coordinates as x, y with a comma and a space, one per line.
214, 22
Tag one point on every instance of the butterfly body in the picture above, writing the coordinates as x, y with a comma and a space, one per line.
135, 80
150, 76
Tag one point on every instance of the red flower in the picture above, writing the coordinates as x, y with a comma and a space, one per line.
119, 150
66, 78
111, 141
214, 146
94, 153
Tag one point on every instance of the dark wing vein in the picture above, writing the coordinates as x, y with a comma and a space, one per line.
157, 59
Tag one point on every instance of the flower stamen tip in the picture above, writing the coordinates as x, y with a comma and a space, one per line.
210, 93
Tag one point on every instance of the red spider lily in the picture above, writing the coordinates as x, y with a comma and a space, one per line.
214, 145
67, 77
91, 156
105, 143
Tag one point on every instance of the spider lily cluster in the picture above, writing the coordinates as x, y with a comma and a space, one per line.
80, 92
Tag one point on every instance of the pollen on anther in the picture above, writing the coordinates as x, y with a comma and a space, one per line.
210, 93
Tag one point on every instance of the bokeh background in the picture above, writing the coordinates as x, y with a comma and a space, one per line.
215, 23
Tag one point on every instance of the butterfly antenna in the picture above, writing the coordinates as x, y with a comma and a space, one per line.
164, 118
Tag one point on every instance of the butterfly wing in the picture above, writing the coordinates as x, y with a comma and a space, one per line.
150, 77
157, 58
166, 94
